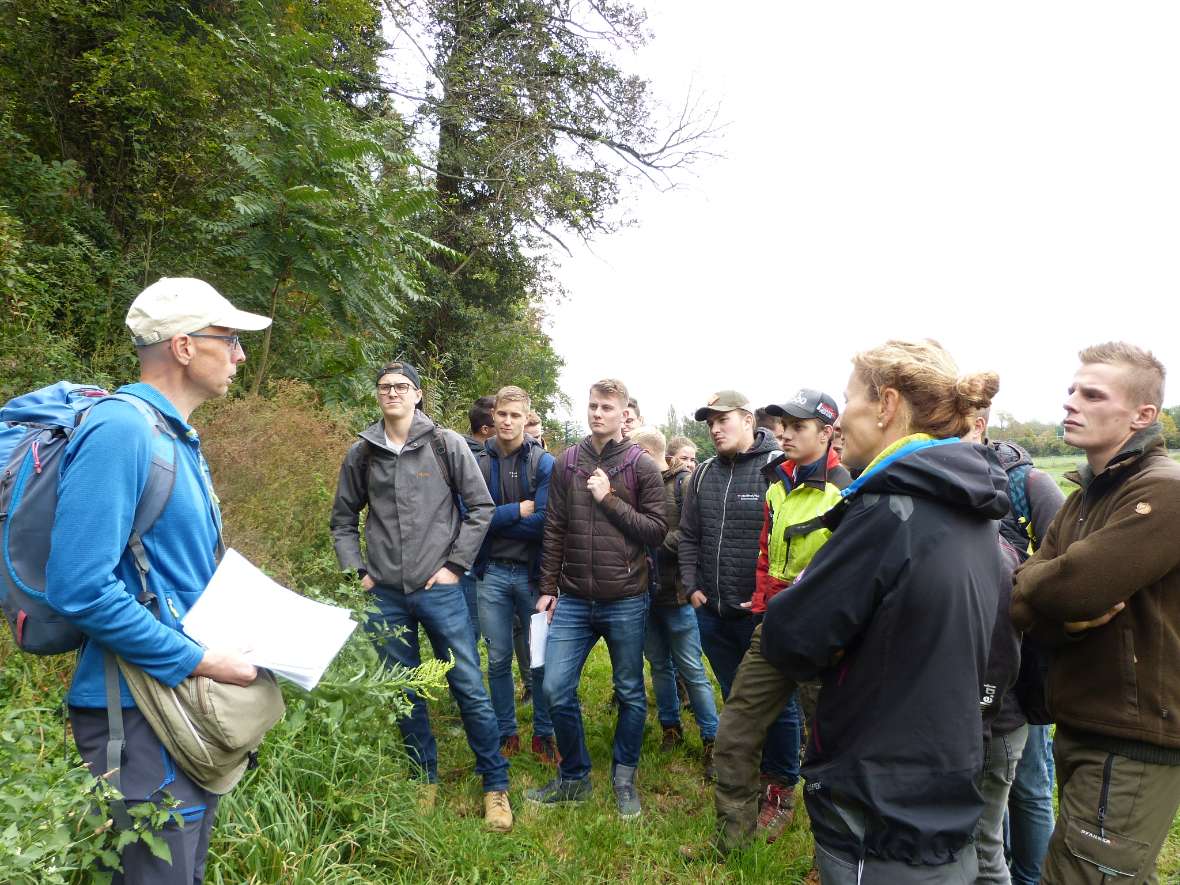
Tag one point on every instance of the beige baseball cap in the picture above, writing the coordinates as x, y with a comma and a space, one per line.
722, 401
180, 305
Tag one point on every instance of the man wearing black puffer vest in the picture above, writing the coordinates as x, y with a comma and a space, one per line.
720, 527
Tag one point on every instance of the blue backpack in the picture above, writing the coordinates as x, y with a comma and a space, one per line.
34, 431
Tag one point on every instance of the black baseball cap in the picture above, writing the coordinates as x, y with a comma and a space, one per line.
400, 368
807, 403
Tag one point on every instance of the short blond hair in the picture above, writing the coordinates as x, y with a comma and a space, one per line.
940, 402
651, 439
512, 394
1146, 375
612, 387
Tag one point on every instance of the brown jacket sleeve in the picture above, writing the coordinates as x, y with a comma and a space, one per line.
1133, 549
556, 525
646, 523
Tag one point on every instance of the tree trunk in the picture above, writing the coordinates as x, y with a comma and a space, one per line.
265, 355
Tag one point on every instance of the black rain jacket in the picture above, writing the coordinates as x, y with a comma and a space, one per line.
907, 590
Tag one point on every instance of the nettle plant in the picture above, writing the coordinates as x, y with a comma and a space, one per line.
55, 825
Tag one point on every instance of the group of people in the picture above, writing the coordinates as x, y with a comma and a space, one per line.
916, 599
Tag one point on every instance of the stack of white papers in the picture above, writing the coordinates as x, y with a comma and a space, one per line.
244, 610
538, 638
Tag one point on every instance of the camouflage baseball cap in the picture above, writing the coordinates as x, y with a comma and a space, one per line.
722, 401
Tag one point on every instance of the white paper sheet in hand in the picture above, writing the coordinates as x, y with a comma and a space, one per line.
291, 635
538, 637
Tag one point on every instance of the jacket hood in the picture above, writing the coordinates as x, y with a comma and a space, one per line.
966, 476
674, 471
419, 427
764, 444
493, 450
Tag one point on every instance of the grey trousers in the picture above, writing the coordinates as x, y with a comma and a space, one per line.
1001, 754
836, 869
148, 773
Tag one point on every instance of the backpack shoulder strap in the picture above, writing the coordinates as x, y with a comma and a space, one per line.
439, 446
678, 488
569, 462
630, 477
700, 473
156, 492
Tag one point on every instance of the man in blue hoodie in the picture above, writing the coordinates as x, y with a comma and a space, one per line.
516, 470
185, 337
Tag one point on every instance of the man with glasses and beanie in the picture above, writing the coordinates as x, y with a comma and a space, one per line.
410, 474
185, 335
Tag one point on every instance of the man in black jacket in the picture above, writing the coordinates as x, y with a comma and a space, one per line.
720, 527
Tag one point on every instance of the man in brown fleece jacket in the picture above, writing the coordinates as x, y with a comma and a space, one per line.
1104, 588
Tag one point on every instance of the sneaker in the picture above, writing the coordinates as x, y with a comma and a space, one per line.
545, 749
497, 813
510, 746
559, 791
673, 738
626, 796
707, 767
776, 810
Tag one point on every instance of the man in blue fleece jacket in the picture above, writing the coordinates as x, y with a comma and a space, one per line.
185, 336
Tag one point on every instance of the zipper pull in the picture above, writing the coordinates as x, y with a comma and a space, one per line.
171, 607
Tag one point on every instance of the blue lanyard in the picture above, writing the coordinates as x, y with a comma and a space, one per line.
907, 449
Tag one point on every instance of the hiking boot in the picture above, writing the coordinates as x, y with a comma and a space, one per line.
626, 796
545, 749
673, 738
559, 791
707, 767
497, 813
776, 810
510, 746
427, 796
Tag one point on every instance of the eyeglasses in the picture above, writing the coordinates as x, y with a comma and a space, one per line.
233, 341
401, 388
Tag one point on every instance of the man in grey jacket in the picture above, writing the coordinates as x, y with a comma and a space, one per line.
411, 475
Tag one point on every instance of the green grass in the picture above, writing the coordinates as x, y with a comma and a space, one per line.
587, 843
1059, 465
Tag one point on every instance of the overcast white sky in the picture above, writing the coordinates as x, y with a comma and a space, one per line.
1002, 177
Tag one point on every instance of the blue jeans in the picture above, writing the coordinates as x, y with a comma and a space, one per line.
442, 612
468, 583
1030, 808
725, 641
506, 591
674, 645
576, 627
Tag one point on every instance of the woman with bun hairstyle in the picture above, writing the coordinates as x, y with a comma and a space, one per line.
894, 615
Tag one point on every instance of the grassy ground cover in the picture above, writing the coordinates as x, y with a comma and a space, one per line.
1059, 465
